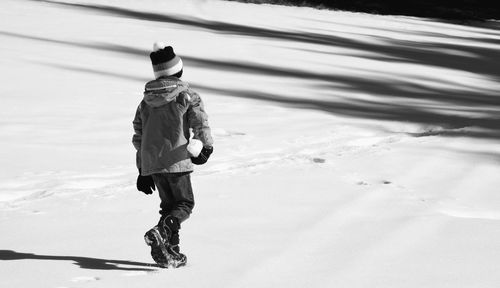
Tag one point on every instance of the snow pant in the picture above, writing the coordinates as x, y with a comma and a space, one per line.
176, 194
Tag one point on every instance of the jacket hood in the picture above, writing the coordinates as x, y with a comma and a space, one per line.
163, 91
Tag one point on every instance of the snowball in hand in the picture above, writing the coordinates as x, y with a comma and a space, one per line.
194, 147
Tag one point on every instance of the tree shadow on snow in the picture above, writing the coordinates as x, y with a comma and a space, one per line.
393, 98
488, 127
444, 106
83, 262
474, 58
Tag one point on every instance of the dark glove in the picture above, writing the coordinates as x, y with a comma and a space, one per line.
204, 155
145, 184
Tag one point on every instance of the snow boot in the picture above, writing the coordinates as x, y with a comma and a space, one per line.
157, 242
170, 228
177, 259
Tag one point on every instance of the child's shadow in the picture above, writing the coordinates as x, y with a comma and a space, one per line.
83, 262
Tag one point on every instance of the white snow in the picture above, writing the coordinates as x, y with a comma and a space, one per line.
351, 150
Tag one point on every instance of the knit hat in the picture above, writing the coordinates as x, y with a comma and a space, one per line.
164, 60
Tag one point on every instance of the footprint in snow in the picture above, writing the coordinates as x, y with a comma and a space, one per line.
364, 183
37, 212
85, 279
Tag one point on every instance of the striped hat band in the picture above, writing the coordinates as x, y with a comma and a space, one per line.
168, 68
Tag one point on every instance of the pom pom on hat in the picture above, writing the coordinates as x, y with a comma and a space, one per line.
164, 60
158, 46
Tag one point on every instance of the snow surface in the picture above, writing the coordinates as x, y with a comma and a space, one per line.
352, 150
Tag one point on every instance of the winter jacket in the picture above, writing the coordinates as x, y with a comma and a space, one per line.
162, 126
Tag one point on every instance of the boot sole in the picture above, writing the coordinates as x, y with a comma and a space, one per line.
178, 263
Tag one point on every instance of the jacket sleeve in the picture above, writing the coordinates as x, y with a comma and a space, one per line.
198, 120
137, 138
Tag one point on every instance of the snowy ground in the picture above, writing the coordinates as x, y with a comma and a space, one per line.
351, 150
